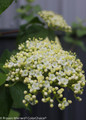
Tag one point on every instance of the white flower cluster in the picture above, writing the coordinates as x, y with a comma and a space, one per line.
47, 69
54, 21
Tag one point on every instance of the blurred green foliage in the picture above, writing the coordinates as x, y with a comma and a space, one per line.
34, 26
28, 12
77, 34
5, 97
13, 113
6, 54
4, 4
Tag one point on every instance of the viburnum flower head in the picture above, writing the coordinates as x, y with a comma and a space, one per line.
54, 21
47, 69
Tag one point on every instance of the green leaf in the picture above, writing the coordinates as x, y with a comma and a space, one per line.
74, 25
36, 20
5, 101
21, 10
29, 17
2, 74
35, 31
4, 4
75, 42
30, 0
17, 93
81, 32
69, 39
28, 7
14, 113
36, 8
3, 70
24, 9
6, 55
81, 44
2, 78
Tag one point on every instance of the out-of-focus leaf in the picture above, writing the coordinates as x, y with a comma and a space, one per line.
81, 32
16, 1
28, 7
24, 9
6, 55
29, 17
4, 4
74, 25
36, 20
35, 31
13, 113
2, 78
21, 10
75, 42
69, 39
17, 93
80, 44
78, 31
3, 70
37, 8
5, 101
30, 0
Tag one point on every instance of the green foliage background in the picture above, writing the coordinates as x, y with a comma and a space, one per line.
78, 32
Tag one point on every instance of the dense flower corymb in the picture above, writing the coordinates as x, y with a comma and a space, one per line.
54, 21
44, 67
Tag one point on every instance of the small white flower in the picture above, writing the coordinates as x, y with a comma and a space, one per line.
21, 60
32, 72
17, 70
69, 69
58, 77
34, 57
61, 80
24, 73
48, 66
8, 78
52, 77
38, 73
29, 80
64, 81
46, 62
77, 86
46, 84
35, 86
61, 73
65, 103
27, 97
11, 64
83, 78
54, 64
28, 60
40, 66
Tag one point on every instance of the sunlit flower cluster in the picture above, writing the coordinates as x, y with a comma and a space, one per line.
54, 21
47, 69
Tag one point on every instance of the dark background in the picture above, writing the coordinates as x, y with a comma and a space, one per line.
76, 111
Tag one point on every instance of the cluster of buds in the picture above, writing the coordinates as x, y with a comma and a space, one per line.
54, 21
47, 69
